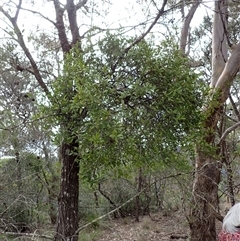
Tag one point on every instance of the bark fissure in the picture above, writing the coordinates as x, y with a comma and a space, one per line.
67, 222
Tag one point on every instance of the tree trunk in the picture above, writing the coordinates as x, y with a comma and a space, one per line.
137, 200
207, 171
205, 201
67, 223
230, 181
219, 40
186, 26
206, 179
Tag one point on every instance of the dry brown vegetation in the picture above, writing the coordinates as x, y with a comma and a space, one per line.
160, 226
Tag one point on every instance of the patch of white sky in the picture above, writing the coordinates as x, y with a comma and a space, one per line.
124, 13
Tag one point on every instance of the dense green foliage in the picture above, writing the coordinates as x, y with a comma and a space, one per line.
136, 108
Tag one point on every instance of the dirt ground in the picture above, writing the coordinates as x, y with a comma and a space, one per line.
158, 227
155, 228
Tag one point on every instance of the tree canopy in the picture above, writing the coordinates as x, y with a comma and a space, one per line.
139, 107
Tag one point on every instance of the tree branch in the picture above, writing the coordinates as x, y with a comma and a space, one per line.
234, 107
65, 45
219, 46
128, 201
81, 4
141, 37
186, 25
229, 72
72, 17
18, 9
30, 235
41, 15
228, 131
26, 51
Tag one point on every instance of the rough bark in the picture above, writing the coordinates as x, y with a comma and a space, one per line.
60, 26
206, 179
205, 198
207, 174
67, 221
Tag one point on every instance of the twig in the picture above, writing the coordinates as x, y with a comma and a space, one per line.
128, 201
27, 235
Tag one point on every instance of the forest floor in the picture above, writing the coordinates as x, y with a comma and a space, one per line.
161, 226
157, 227
152, 228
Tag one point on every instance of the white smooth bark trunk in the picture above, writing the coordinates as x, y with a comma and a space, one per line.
219, 40
186, 26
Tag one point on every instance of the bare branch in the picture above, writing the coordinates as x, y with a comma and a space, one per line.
81, 4
224, 17
40, 14
26, 51
219, 46
228, 131
18, 9
72, 17
229, 72
186, 25
128, 201
66, 46
141, 37
30, 235
234, 107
